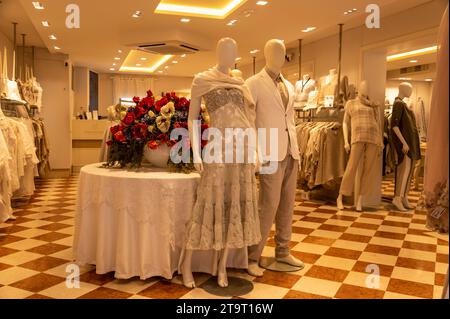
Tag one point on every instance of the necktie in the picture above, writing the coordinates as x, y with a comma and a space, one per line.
283, 91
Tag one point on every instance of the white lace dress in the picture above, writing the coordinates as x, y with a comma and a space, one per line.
225, 214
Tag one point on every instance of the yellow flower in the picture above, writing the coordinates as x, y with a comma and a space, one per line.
151, 128
168, 110
122, 115
206, 118
151, 114
163, 123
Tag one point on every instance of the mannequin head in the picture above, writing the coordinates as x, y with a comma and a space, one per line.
363, 88
237, 74
275, 54
227, 53
405, 89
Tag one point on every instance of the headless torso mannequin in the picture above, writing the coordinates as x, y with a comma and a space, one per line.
302, 90
273, 97
229, 105
361, 117
407, 142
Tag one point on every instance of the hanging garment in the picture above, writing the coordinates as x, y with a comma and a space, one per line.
12, 90
436, 165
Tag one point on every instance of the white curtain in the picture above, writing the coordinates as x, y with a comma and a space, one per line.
129, 87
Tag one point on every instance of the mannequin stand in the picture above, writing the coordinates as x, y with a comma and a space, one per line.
236, 287
270, 263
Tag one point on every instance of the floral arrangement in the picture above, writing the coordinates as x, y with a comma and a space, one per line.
149, 124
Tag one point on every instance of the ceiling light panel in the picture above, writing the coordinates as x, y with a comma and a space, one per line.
141, 62
45, 24
37, 5
262, 3
412, 54
218, 9
309, 29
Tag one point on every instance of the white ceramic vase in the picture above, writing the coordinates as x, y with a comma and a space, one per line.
158, 157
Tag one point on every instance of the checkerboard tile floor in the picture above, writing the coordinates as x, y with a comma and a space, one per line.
337, 248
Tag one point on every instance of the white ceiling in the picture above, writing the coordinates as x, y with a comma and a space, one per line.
107, 26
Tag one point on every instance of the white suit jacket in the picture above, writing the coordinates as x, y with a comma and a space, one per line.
271, 114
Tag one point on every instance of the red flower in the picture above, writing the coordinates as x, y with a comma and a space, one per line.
147, 102
204, 143
205, 127
114, 129
120, 137
129, 118
161, 103
163, 138
149, 93
180, 125
153, 145
109, 143
139, 131
139, 112
136, 99
182, 103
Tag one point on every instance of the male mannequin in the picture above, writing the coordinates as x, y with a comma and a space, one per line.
361, 115
274, 97
302, 90
407, 145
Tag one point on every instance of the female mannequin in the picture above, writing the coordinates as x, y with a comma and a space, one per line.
407, 146
225, 215
362, 116
302, 90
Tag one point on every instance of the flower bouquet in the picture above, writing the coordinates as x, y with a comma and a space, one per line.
149, 124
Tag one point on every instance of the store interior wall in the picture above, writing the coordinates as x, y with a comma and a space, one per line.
6, 43
324, 52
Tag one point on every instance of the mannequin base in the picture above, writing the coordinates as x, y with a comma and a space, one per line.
236, 287
272, 264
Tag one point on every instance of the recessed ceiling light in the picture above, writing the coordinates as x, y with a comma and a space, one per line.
52, 37
114, 64
413, 61
248, 13
112, 69
57, 48
185, 20
174, 61
232, 22
166, 67
138, 64
38, 6
119, 51
405, 79
199, 10
45, 24
254, 51
137, 14
429, 80
411, 54
183, 55
160, 71
143, 59
238, 59
262, 3
309, 29
117, 58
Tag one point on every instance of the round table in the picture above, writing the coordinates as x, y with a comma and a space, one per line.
133, 222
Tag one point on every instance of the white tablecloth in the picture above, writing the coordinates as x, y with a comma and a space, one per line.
133, 222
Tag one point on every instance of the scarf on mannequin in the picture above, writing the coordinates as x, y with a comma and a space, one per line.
208, 81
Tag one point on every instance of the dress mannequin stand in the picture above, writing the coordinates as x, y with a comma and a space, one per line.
274, 97
407, 142
206, 231
366, 145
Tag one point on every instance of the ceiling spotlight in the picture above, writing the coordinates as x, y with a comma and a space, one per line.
56, 48
429, 80
117, 58
238, 59
143, 59
262, 3
119, 51
247, 13
137, 14
174, 62
52, 37
38, 6
183, 55
413, 61
166, 67
232, 22
309, 29
185, 20
112, 69
114, 64
45, 24
160, 71
138, 64
254, 51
